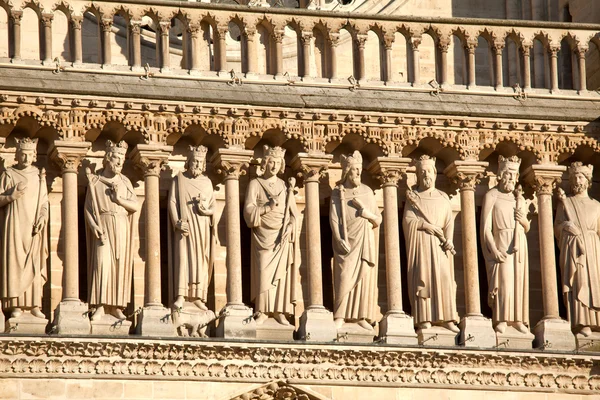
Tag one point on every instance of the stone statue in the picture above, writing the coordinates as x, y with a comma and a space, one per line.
110, 203
24, 215
428, 226
192, 209
577, 228
504, 244
353, 216
270, 211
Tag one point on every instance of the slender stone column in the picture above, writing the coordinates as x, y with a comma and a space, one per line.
77, 55
316, 323
106, 25
69, 315
526, 51
415, 41
582, 77
195, 33
278, 40
306, 39
554, 49
388, 43
47, 24
443, 46
333, 42
15, 18
551, 332
238, 321
221, 34
470, 48
165, 56
498, 47
396, 327
475, 329
135, 28
361, 41
250, 34
155, 319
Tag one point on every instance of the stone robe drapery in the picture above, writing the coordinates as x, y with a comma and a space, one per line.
508, 282
192, 255
355, 274
580, 272
431, 284
110, 264
274, 264
23, 262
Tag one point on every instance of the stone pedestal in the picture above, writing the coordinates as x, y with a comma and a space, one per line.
155, 321
192, 321
109, 325
351, 332
71, 318
316, 325
554, 334
476, 331
26, 324
238, 323
436, 336
513, 339
397, 328
273, 330
588, 344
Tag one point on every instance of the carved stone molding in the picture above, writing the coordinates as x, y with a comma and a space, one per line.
68, 154
151, 159
389, 170
232, 163
311, 167
466, 174
543, 178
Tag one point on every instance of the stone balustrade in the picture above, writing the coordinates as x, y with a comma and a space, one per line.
293, 46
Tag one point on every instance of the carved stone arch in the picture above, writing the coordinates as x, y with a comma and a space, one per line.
95, 10
543, 37
515, 36
571, 39
123, 12
208, 18
193, 131
584, 149
66, 8
34, 5
506, 143
439, 143
33, 122
350, 137
7, 5
279, 390
461, 33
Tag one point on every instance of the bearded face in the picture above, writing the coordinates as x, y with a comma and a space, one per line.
196, 166
114, 162
272, 166
25, 158
508, 180
579, 183
353, 175
427, 175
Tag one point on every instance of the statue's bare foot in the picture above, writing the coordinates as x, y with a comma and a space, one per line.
36, 312
365, 325
179, 302
451, 326
521, 327
261, 318
279, 317
98, 314
500, 327
586, 331
16, 313
118, 313
200, 304
424, 325
339, 322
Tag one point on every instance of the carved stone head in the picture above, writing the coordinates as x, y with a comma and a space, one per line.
114, 158
273, 161
426, 172
352, 166
508, 173
580, 177
196, 160
26, 152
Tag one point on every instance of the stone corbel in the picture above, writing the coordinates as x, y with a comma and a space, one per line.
232, 163
68, 154
150, 158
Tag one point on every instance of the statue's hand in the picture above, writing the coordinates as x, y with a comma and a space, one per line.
97, 231
572, 229
448, 246
18, 190
183, 227
345, 247
520, 217
499, 256
287, 233
39, 226
432, 229
114, 197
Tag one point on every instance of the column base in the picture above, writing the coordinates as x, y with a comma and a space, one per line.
588, 344
397, 328
273, 330
316, 325
437, 336
554, 334
192, 321
26, 324
71, 318
238, 323
352, 332
155, 321
109, 325
477, 331
513, 339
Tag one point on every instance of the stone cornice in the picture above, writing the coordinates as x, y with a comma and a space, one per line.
324, 364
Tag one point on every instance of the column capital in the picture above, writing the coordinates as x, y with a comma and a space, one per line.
151, 158
47, 19
311, 166
76, 21
389, 170
466, 174
106, 24
232, 163
543, 178
16, 16
68, 154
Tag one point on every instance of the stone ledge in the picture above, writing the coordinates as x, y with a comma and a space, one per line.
322, 364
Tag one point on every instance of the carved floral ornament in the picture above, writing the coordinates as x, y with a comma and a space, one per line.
272, 366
